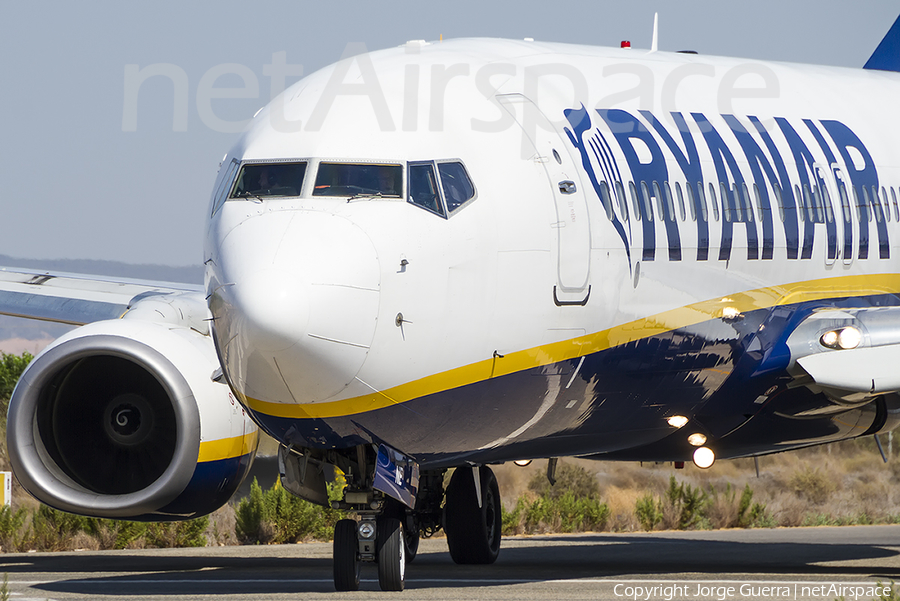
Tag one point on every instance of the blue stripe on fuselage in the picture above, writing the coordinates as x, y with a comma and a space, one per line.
613, 401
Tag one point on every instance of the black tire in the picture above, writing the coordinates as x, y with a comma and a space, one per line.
412, 543
345, 556
396, 509
473, 532
390, 550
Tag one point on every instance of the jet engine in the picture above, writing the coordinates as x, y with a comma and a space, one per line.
129, 419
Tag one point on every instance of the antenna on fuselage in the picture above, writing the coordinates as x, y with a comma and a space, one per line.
654, 44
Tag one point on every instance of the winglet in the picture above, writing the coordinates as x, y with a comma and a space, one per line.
887, 56
654, 43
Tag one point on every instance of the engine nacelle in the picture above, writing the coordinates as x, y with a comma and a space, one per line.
126, 419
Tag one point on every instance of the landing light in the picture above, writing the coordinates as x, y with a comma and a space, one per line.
830, 339
522, 462
704, 457
841, 339
697, 439
677, 421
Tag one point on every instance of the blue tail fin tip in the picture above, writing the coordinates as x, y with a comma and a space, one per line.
887, 56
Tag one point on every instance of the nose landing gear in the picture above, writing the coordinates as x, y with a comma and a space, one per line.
387, 532
379, 537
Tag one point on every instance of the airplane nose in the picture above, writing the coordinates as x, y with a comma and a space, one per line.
296, 314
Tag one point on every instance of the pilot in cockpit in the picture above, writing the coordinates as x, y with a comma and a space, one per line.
267, 179
387, 181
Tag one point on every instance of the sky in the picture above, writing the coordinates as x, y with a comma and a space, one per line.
93, 171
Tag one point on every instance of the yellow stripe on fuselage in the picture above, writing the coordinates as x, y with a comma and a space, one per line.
228, 448
763, 298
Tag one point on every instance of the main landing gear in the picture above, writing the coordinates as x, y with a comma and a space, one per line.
472, 517
386, 532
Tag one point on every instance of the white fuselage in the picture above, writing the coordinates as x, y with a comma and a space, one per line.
329, 307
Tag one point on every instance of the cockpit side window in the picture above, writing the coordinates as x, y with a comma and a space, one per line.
352, 179
457, 186
221, 192
423, 188
268, 180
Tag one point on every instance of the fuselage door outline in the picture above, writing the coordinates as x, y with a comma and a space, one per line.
572, 228
847, 212
825, 197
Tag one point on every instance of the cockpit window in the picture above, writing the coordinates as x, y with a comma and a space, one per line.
221, 192
349, 179
423, 187
457, 186
267, 180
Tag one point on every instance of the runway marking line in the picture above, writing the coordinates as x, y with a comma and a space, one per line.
207, 581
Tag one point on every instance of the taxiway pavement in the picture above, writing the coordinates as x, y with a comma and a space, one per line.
585, 566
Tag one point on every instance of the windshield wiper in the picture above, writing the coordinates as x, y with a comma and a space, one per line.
362, 195
252, 197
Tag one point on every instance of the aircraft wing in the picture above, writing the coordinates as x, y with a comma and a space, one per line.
75, 299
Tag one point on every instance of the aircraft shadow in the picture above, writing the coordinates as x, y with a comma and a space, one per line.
532, 559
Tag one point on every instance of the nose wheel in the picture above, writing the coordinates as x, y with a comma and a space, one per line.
391, 554
352, 546
395, 503
346, 556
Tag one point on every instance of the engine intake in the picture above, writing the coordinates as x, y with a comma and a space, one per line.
107, 421
122, 410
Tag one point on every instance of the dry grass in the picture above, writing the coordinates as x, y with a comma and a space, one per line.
845, 482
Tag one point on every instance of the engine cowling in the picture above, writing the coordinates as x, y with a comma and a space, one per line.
126, 419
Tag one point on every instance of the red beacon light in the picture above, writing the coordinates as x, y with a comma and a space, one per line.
625, 44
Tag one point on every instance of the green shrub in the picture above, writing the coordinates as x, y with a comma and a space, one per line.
166, 535
582, 513
648, 511
680, 507
557, 508
684, 503
53, 530
11, 368
746, 508
724, 510
277, 516
249, 516
11, 524
569, 478
892, 595
116, 534
757, 516
511, 520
